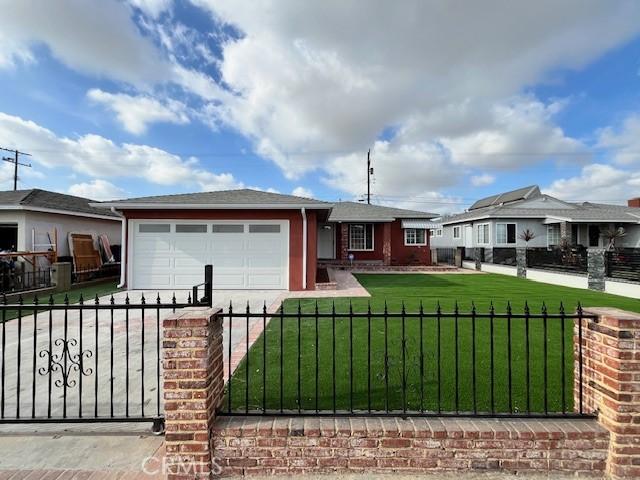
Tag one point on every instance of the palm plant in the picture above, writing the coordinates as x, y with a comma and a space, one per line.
611, 235
526, 236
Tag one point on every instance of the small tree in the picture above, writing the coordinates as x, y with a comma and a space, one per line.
613, 234
527, 235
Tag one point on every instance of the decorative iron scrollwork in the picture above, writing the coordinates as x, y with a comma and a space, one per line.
65, 362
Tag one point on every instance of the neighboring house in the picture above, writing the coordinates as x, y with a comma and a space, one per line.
499, 220
259, 240
29, 220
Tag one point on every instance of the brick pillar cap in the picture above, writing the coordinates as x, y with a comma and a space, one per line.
194, 312
611, 312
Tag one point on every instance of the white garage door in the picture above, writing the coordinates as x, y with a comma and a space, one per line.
244, 254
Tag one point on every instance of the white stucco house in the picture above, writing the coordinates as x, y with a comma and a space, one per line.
499, 220
29, 218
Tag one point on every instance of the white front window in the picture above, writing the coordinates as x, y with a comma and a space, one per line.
415, 236
483, 234
361, 236
553, 235
457, 232
506, 233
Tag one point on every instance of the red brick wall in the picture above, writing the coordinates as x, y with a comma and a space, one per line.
400, 254
634, 202
407, 255
611, 383
295, 233
295, 446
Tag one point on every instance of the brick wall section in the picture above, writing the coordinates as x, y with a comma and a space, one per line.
611, 383
386, 243
193, 387
344, 241
294, 446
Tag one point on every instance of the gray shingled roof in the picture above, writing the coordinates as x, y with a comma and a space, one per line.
507, 197
222, 197
575, 212
362, 212
36, 198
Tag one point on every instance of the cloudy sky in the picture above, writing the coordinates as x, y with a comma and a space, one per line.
455, 99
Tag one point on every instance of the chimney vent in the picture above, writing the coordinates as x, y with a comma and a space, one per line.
634, 202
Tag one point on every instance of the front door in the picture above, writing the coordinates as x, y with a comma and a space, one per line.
468, 236
326, 241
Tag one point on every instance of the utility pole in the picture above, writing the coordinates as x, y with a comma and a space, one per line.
369, 173
16, 162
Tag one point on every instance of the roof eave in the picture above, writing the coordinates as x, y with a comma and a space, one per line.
27, 208
215, 206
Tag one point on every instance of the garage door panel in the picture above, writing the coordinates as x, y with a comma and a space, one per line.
264, 280
265, 261
147, 244
228, 280
244, 255
149, 261
228, 261
187, 280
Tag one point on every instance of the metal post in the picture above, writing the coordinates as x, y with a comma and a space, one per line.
208, 284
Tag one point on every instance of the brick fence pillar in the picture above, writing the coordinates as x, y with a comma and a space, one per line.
386, 243
611, 383
344, 242
193, 389
477, 256
596, 268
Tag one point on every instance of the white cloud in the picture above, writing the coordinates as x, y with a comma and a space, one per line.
97, 190
153, 8
597, 183
516, 132
96, 37
96, 156
314, 79
302, 192
624, 142
482, 180
137, 112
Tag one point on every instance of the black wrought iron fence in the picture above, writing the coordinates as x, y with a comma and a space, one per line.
446, 256
504, 256
566, 260
13, 281
91, 361
624, 263
108, 270
310, 362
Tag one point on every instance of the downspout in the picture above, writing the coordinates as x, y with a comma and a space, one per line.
304, 248
123, 248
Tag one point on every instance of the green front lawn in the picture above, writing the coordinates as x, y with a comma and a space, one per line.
382, 388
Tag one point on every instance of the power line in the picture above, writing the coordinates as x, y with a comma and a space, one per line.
16, 162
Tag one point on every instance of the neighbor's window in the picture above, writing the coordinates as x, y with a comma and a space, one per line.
456, 232
506, 233
483, 234
361, 236
154, 228
553, 235
415, 236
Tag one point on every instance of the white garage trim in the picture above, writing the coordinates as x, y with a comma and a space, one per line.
250, 254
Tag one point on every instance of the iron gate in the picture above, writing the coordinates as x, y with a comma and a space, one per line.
90, 361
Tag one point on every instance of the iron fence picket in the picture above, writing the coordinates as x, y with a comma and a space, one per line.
60, 337
474, 341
